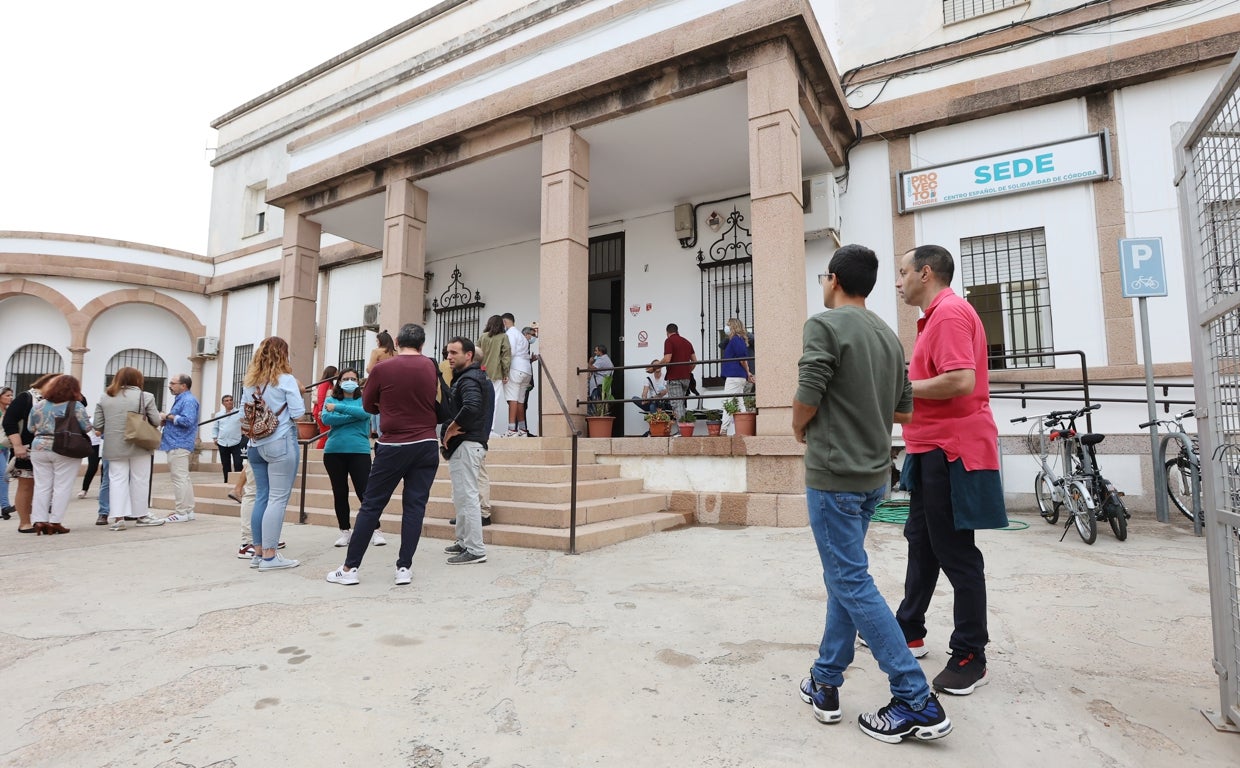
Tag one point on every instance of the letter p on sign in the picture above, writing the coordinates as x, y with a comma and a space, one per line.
1141, 252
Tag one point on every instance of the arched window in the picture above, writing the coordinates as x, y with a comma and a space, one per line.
30, 362
154, 372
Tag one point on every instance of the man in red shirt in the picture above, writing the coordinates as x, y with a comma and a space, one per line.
677, 349
952, 470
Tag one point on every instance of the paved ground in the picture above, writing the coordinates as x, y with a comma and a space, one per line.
156, 647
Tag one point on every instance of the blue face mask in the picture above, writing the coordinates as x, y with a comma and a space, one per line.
348, 386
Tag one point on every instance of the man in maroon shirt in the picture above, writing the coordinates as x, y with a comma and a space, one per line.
401, 390
677, 349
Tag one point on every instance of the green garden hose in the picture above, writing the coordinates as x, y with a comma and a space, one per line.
896, 511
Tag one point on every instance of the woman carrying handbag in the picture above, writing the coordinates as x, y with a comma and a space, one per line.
129, 461
55, 473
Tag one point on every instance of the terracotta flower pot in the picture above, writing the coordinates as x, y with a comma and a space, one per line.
306, 429
599, 426
686, 429
713, 427
746, 423
660, 428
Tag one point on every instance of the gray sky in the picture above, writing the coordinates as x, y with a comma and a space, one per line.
106, 113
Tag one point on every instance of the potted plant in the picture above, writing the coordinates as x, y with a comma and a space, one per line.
688, 423
714, 421
660, 423
306, 428
746, 421
598, 418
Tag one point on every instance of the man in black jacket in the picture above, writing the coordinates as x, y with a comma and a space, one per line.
465, 447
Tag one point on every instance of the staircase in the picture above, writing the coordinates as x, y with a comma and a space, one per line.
531, 486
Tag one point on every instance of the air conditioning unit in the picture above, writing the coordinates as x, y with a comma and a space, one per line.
208, 346
822, 206
370, 317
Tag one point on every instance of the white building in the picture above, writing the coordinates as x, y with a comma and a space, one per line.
536, 153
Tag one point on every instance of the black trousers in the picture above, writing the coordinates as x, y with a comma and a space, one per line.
92, 466
413, 464
231, 458
341, 468
934, 544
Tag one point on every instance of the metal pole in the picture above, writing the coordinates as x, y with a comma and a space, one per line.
305, 456
1160, 478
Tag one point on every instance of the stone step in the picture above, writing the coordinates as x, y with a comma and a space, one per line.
521, 473
525, 454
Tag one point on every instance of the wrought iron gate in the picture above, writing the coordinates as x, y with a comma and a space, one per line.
458, 312
30, 362
1208, 165
727, 292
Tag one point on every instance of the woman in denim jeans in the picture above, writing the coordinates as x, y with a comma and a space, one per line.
6, 509
273, 458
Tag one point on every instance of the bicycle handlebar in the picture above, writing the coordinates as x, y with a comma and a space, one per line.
1055, 416
1176, 421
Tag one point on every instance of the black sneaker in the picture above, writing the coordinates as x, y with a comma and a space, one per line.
7, 512
825, 699
466, 558
455, 549
963, 674
897, 720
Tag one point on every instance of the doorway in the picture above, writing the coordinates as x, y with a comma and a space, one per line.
606, 311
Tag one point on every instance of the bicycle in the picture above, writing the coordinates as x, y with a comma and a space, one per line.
1088, 495
1181, 465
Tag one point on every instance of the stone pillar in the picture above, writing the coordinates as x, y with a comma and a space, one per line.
1121, 333
778, 231
563, 281
299, 284
77, 363
904, 239
402, 295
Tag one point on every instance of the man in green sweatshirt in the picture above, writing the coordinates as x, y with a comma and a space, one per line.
852, 385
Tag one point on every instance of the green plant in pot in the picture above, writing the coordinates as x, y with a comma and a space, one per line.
732, 406
660, 422
602, 409
687, 423
714, 421
598, 415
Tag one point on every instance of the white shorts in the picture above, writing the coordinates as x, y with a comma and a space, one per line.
518, 382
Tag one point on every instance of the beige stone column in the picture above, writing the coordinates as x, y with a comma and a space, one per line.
778, 231
904, 239
77, 362
299, 283
1109, 216
401, 296
563, 281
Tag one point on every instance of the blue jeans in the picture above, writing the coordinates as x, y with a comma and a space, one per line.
105, 490
840, 521
274, 466
4, 478
414, 464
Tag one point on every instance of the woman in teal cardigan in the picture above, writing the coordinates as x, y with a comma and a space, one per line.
347, 453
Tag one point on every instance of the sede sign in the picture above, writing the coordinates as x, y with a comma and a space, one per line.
1066, 162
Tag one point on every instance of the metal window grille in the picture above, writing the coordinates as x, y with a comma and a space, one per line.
150, 365
727, 291
30, 362
1208, 158
242, 356
352, 349
959, 10
458, 312
1005, 279
607, 256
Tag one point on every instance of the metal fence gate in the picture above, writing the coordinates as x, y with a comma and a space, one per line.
1208, 173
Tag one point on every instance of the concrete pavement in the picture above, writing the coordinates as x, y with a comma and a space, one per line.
157, 647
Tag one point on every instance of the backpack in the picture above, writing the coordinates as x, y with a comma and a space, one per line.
257, 420
68, 439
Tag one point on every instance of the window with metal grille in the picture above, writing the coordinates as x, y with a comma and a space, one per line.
458, 312
242, 356
150, 365
727, 292
959, 10
1005, 279
353, 349
30, 362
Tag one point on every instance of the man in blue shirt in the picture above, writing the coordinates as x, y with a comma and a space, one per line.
180, 435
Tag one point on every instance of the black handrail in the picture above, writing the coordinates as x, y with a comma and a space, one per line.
1089, 421
572, 429
686, 398
306, 388
305, 457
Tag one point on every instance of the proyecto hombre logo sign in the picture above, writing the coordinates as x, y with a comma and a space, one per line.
1046, 165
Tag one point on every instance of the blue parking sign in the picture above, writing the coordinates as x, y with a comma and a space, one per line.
1141, 267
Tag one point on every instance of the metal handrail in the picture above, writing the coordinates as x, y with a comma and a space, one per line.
686, 398
572, 429
305, 457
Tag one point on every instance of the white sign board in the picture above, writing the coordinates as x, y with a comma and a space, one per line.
1142, 268
1046, 165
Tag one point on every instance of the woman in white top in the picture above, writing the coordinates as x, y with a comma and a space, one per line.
274, 457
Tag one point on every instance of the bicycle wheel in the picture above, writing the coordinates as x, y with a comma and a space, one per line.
1082, 515
1113, 510
1047, 506
1180, 486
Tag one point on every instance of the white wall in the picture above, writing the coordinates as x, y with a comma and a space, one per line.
28, 320
137, 326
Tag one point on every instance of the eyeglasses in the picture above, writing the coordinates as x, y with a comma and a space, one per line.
822, 277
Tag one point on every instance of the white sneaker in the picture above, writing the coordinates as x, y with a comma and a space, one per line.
276, 563
179, 518
255, 560
118, 524
147, 520
344, 576
343, 541
510, 433
403, 576
377, 540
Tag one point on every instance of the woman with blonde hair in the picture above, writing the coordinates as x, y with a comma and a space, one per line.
273, 458
129, 465
17, 429
494, 352
736, 373
54, 474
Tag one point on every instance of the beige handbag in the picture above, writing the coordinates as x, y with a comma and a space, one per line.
138, 431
